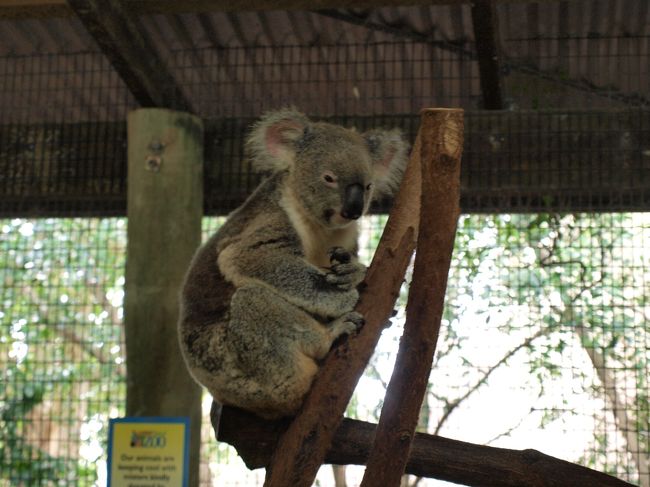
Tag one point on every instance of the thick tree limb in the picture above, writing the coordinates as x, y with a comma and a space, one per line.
431, 456
619, 408
440, 162
301, 450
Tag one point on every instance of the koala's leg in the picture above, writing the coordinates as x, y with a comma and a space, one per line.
276, 345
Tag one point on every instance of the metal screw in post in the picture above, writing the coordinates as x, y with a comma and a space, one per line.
153, 161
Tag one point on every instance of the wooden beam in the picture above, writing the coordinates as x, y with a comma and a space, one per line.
431, 456
486, 38
165, 197
34, 9
123, 41
524, 161
21, 9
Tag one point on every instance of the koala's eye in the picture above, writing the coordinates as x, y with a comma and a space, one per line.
330, 179
368, 187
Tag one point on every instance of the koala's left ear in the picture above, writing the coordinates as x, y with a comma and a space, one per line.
389, 152
271, 142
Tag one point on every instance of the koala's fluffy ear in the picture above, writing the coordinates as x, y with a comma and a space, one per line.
271, 143
389, 152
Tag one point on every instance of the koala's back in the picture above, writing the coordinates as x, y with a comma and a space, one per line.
206, 293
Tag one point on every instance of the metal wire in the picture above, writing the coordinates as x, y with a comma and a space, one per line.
555, 280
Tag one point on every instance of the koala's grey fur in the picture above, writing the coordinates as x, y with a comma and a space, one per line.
267, 295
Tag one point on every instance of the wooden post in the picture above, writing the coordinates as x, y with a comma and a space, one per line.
165, 206
439, 211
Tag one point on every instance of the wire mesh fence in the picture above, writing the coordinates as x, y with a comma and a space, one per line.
61, 347
548, 296
547, 310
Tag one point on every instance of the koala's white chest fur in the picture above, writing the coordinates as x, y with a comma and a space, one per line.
316, 239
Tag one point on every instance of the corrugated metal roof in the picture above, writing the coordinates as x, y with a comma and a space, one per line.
442, 22
380, 60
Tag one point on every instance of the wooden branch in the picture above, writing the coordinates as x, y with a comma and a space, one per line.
431, 456
123, 41
506, 161
486, 39
302, 448
439, 211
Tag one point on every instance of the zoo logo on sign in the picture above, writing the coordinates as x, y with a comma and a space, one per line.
148, 439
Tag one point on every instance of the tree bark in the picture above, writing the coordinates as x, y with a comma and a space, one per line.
339, 476
619, 409
431, 456
440, 162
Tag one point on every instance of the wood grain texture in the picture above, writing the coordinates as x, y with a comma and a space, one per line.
164, 230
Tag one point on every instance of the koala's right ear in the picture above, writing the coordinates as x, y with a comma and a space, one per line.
271, 143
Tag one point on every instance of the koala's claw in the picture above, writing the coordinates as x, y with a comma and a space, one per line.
345, 282
338, 255
348, 324
346, 276
356, 319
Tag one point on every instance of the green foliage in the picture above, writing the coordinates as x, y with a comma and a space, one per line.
566, 287
576, 279
60, 347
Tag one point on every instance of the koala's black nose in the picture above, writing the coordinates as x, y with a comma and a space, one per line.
352, 202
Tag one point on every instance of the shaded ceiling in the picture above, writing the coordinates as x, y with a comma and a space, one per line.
363, 61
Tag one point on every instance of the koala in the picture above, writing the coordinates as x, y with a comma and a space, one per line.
267, 295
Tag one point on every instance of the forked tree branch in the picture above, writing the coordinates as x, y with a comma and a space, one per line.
431, 456
319, 434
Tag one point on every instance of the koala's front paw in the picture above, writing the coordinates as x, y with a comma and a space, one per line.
347, 324
344, 273
346, 276
338, 255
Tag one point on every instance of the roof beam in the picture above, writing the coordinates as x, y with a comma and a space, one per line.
582, 85
21, 9
29, 9
486, 38
123, 41
518, 179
